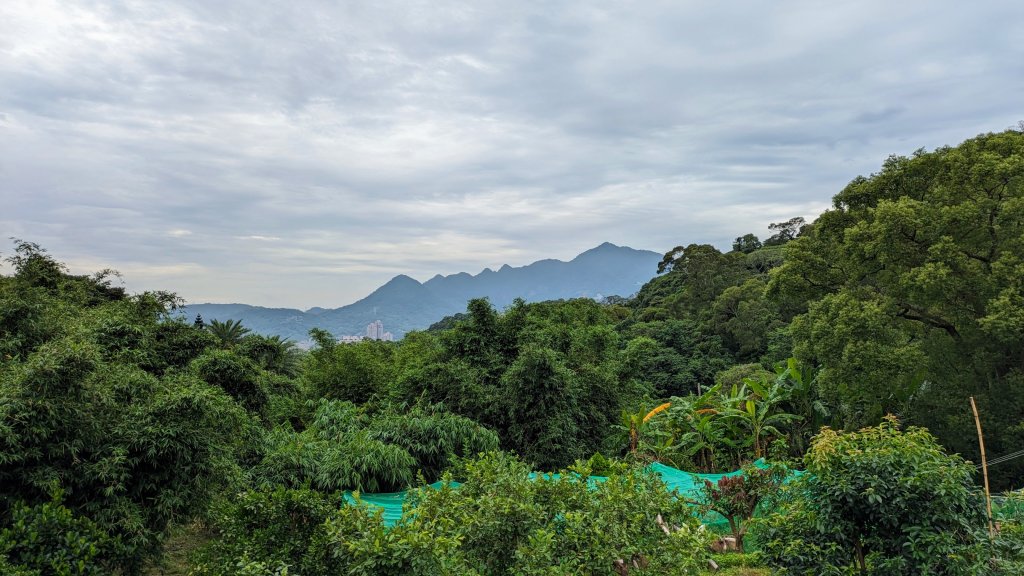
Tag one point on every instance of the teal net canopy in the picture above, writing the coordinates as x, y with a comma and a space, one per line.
686, 485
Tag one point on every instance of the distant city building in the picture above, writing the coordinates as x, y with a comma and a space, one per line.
375, 330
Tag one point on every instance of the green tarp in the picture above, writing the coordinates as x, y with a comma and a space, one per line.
686, 484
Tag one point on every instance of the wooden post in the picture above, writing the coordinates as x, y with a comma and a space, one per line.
984, 469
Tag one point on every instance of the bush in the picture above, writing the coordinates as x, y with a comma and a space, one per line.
881, 501
737, 497
1008, 550
344, 448
509, 524
131, 452
260, 532
498, 522
236, 375
49, 539
355, 542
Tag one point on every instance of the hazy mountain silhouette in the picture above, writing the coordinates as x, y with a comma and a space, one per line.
404, 304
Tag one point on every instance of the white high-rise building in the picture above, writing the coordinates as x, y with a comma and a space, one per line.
375, 330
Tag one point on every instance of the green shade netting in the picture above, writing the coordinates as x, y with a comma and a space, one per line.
686, 484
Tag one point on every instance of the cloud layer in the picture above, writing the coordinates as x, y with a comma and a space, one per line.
301, 153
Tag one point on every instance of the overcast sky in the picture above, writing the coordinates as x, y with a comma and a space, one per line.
301, 153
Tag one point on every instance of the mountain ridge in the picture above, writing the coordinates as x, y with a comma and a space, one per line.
404, 304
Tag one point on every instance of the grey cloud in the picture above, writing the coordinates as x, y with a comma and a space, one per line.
173, 140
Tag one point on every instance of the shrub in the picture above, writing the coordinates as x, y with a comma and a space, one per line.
882, 501
236, 375
500, 521
131, 452
355, 542
264, 531
1008, 544
344, 448
49, 539
737, 497
509, 524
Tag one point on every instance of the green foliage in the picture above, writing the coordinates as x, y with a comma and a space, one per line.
40, 301
271, 353
174, 344
785, 231
802, 399
696, 275
49, 539
746, 243
353, 372
546, 377
356, 542
913, 293
726, 426
236, 375
546, 436
264, 531
743, 317
92, 406
906, 297
345, 448
758, 412
882, 501
735, 375
674, 356
509, 524
498, 521
432, 436
1008, 544
131, 452
228, 333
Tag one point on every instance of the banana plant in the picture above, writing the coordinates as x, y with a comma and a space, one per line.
706, 436
634, 422
799, 380
756, 409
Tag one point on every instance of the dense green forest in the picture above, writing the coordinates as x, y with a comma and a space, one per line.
122, 424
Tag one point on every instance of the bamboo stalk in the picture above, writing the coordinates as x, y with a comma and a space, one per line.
984, 469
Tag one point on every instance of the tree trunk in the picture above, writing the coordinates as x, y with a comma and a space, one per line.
858, 551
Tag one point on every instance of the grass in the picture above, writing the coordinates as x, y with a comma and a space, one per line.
743, 571
178, 548
736, 564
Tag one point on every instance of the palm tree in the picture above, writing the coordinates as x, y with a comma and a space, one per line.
273, 353
229, 333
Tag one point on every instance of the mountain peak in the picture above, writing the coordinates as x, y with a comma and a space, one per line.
398, 285
402, 280
604, 249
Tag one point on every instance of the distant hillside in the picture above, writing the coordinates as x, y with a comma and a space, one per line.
404, 304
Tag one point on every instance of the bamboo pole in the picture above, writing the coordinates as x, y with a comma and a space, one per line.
984, 469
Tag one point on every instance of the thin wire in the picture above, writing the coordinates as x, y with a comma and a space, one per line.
1005, 458
1009, 456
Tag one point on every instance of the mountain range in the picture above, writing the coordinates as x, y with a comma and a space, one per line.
404, 304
